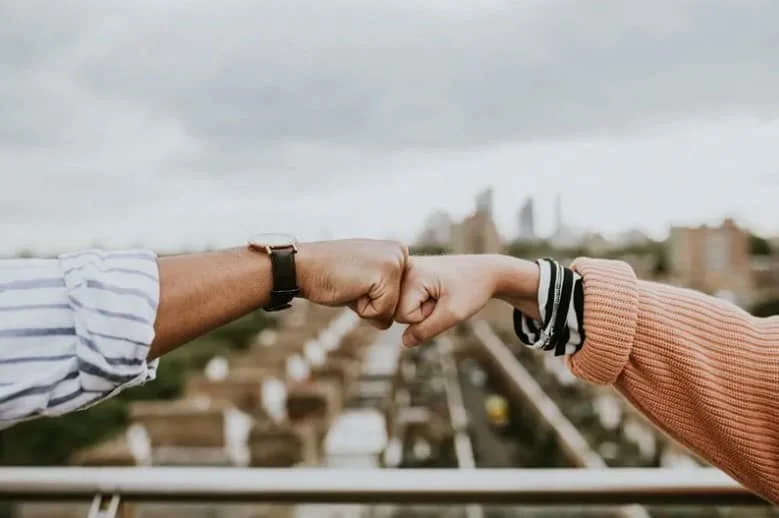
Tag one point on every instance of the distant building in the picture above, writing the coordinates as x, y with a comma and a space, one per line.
484, 202
595, 243
712, 260
527, 224
437, 230
632, 238
476, 234
564, 236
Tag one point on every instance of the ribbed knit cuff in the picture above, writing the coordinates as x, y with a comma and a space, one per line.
610, 319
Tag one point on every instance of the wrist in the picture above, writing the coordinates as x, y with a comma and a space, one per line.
304, 261
515, 281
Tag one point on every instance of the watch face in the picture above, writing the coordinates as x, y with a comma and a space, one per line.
272, 241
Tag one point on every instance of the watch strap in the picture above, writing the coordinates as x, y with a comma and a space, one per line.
285, 283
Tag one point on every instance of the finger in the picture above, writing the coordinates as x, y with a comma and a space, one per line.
439, 320
427, 308
416, 301
366, 309
381, 302
379, 324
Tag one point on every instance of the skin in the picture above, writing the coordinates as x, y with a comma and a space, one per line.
438, 292
200, 292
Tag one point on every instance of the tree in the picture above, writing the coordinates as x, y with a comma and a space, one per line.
428, 250
530, 249
759, 245
766, 308
661, 263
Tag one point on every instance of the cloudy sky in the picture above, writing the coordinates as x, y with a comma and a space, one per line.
198, 123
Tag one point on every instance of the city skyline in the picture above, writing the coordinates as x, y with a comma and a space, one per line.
546, 220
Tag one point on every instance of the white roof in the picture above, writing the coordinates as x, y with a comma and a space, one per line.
382, 355
267, 337
274, 398
217, 369
297, 368
314, 353
357, 432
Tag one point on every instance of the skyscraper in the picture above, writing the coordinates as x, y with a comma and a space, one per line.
437, 230
558, 214
484, 202
527, 226
563, 236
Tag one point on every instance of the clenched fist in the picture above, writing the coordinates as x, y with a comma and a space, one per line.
438, 292
363, 274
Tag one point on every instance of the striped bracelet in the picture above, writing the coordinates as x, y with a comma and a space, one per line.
561, 306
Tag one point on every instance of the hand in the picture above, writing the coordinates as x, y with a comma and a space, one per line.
363, 274
439, 292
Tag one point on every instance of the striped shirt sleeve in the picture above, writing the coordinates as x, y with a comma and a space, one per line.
561, 307
74, 330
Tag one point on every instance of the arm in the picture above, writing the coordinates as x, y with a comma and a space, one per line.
701, 369
85, 326
200, 292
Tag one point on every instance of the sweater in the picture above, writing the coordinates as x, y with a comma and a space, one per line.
703, 370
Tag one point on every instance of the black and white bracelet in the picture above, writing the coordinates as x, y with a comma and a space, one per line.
561, 305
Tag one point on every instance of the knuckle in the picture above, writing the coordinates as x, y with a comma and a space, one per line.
398, 254
391, 265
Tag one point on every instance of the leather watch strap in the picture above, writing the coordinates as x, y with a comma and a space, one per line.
285, 283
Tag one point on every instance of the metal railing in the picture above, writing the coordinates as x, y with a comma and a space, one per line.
463, 447
704, 486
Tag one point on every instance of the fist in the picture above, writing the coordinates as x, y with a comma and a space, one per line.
438, 292
363, 274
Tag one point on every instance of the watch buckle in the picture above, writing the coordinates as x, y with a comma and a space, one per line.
269, 249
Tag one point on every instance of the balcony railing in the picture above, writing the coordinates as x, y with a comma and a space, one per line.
429, 486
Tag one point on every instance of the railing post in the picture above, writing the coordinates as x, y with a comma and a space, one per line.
96, 509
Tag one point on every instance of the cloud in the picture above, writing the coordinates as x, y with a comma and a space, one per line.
126, 106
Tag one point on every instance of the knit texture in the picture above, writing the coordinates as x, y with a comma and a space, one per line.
703, 370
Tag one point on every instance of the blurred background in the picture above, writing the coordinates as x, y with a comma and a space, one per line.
645, 132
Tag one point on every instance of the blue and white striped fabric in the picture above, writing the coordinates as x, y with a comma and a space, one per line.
74, 330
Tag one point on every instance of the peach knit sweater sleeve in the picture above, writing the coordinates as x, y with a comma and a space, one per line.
703, 370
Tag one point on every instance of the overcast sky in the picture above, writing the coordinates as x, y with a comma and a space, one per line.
198, 123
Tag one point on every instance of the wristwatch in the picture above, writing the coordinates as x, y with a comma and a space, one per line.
281, 249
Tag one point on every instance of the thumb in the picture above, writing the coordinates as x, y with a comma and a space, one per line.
436, 322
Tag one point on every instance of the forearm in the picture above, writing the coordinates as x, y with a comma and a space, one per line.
200, 292
516, 283
703, 370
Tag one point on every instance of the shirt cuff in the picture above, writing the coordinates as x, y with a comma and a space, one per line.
114, 297
560, 304
610, 319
